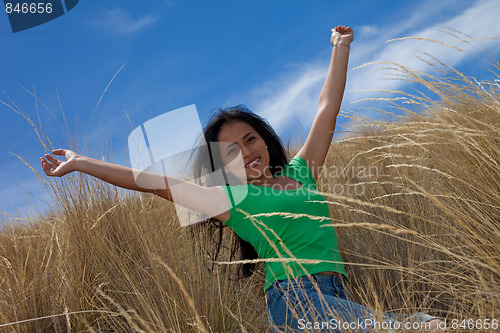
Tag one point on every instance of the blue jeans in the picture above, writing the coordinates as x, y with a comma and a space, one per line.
295, 305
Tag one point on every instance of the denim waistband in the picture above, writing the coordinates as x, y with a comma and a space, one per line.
320, 279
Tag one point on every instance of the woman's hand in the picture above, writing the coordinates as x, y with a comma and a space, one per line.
342, 35
56, 168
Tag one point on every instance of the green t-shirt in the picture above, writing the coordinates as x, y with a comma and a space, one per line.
307, 236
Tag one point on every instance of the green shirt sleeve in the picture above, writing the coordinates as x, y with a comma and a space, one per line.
298, 170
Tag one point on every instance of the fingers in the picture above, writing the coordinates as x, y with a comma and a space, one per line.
46, 166
52, 159
51, 165
59, 151
342, 29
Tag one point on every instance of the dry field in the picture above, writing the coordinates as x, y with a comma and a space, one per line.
415, 202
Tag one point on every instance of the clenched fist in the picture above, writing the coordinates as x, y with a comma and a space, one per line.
342, 35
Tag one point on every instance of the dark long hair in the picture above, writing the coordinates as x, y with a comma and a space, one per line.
208, 160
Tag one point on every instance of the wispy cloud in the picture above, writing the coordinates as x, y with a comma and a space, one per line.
285, 100
293, 97
21, 192
119, 21
478, 21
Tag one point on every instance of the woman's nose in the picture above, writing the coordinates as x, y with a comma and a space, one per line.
245, 151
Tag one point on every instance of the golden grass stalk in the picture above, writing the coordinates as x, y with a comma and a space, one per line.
415, 203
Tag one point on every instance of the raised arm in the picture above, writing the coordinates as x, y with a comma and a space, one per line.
209, 201
320, 135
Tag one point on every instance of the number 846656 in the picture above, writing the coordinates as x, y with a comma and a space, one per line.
25, 8
475, 324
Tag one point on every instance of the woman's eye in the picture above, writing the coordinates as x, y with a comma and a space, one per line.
232, 151
252, 138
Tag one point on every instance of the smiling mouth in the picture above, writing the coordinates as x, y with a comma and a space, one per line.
253, 163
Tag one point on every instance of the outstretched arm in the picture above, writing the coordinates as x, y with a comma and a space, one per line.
320, 136
209, 201
111, 173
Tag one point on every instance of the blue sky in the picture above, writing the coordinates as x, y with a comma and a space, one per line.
270, 55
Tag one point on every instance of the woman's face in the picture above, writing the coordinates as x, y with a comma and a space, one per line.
243, 151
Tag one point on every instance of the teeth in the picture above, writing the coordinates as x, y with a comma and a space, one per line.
250, 165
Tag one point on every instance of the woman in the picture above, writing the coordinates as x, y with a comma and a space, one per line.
304, 270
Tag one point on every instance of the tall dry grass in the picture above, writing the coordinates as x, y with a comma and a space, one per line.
431, 184
108, 263
415, 202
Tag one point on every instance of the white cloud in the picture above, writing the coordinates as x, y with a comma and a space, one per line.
479, 20
367, 30
293, 97
24, 197
119, 21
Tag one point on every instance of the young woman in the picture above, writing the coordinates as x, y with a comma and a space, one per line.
303, 266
